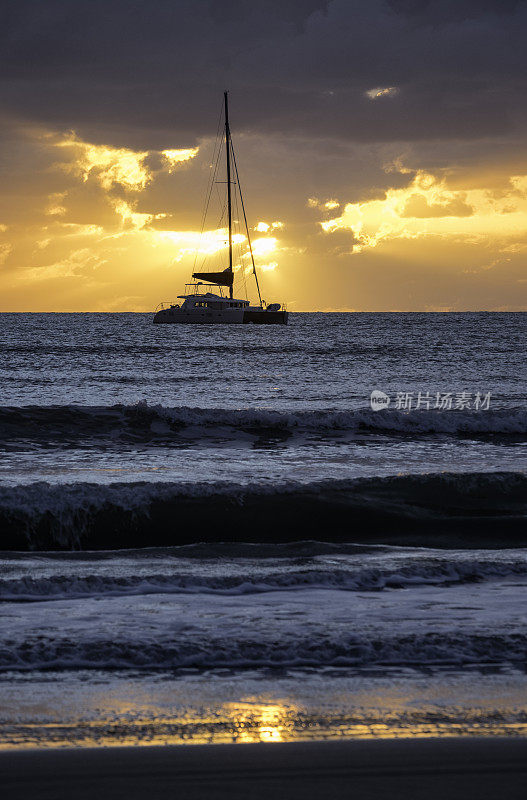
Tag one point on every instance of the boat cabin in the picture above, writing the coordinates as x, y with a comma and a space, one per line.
209, 300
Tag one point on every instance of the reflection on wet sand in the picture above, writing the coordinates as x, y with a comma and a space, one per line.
118, 710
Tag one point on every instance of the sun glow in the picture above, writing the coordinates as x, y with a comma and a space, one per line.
264, 246
189, 243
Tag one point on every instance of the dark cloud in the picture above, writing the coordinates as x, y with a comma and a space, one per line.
148, 72
448, 11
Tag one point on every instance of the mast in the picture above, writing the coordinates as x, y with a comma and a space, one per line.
229, 201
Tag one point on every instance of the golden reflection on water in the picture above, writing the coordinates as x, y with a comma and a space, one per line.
260, 723
247, 721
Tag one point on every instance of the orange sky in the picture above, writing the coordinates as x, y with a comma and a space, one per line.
97, 227
381, 145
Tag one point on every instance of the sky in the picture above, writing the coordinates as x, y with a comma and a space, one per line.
382, 146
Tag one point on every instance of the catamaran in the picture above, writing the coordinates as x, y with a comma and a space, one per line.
200, 304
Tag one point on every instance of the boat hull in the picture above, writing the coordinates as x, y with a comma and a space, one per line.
265, 317
227, 316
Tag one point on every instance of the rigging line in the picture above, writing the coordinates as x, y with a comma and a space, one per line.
240, 249
205, 213
239, 277
211, 188
203, 222
246, 224
221, 200
206, 256
217, 144
215, 161
218, 193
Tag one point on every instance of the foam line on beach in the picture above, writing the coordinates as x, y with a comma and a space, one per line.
364, 579
202, 650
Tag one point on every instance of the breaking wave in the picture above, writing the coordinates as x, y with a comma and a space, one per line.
143, 422
127, 515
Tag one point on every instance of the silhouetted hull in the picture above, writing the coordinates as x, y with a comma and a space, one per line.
265, 317
226, 316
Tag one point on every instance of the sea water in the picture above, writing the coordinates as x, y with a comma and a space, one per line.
107, 414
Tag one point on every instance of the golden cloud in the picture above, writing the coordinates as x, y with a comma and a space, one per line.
418, 206
323, 205
382, 91
426, 207
175, 157
56, 206
130, 217
70, 267
117, 166
264, 227
5, 250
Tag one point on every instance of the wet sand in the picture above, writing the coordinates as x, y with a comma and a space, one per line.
481, 768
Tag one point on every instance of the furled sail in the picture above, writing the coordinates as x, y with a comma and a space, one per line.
224, 278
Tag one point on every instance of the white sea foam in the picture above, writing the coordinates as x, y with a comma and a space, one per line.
420, 626
434, 573
448, 422
355, 651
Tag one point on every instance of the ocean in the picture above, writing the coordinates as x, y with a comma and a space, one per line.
209, 534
